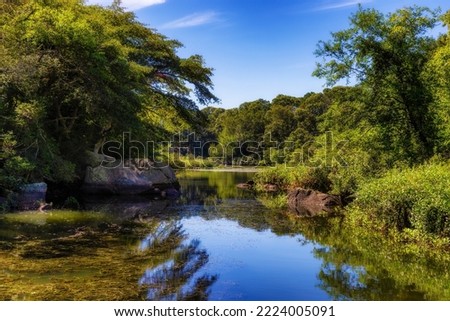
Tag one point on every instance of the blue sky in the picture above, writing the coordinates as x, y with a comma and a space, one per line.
258, 48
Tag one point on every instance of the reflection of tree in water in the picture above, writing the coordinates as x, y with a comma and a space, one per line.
343, 281
360, 264
210, 188
177, 277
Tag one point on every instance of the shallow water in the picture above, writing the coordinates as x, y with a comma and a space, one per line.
215, 242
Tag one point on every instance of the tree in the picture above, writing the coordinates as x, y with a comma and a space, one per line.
212, 115
252, 120
74, 75
280, 121
388, 55
438, 74
306, 118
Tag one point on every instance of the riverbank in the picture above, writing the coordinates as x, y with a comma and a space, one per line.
411, 201
215, 242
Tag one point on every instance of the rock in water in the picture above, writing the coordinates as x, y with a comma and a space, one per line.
128, 178
308, 202
249, 185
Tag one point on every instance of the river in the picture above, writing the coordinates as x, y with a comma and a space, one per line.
214, 242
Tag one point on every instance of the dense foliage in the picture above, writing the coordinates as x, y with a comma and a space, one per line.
397, 112
417, 198
383, 141
74, 76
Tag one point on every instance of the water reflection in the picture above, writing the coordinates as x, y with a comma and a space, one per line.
272, 255
345, 282
210, 188
358, 264
178, 277
146, 249
164, 232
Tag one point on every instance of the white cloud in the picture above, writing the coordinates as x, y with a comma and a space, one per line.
128, 4
192, 20
342, 4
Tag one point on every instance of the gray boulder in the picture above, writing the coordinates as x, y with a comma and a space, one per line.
128, 178
308, 202
248, 186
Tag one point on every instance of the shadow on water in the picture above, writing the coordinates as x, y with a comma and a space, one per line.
214, 242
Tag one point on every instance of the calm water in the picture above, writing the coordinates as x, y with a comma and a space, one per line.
215, 242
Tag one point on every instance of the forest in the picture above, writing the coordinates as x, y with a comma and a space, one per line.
381, 145
74, 76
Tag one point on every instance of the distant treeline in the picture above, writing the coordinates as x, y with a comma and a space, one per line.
383, 145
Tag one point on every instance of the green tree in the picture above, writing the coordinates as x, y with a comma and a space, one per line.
251, 117
388, 55
279, 120
438, 74
74, 75
306, 118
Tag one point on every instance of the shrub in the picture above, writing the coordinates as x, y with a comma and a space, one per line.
346, 179
417, 198
300, 176
72, 203
278, 175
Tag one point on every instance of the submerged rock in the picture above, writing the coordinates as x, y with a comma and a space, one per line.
308, 202
128, 178
248, 185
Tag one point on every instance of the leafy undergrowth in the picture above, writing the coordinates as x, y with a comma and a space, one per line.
417, 198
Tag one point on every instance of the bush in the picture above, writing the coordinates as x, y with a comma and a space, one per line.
286, 177
71, 203
417, 198
280, 175
346, 179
